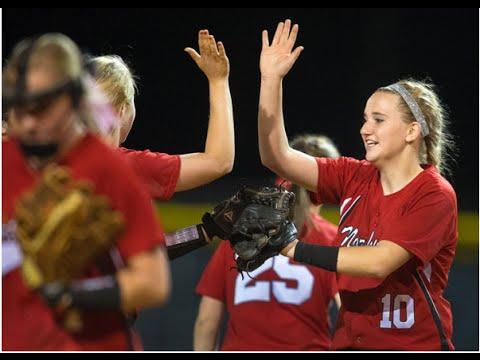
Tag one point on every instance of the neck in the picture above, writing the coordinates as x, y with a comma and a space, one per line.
315, 209
396, 176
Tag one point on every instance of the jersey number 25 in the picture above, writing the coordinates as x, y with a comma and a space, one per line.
263, 290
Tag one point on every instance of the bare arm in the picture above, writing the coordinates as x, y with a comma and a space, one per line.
217, 160
145, 282
371, 261
207, 324
276, 60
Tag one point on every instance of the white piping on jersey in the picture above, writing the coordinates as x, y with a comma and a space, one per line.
344, 213
345, 202
427, 270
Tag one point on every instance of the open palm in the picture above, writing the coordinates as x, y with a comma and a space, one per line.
277, 59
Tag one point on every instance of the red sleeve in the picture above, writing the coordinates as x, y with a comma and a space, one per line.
159, 172
142, 229
334, 175
213, 280
425, 227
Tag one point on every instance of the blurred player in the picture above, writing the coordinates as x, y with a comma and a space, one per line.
45, 90
285, 305
164, 174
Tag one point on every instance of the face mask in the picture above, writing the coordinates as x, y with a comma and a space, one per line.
40, 151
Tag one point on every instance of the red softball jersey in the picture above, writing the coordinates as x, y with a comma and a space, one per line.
284, 306
406, 310
158, 172
28, 323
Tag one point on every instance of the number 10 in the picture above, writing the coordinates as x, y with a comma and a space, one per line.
386, 323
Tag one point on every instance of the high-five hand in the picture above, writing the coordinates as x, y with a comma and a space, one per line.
277, 58
212, 59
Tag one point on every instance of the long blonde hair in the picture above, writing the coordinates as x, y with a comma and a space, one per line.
438, 146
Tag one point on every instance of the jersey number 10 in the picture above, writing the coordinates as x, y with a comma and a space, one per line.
386, 322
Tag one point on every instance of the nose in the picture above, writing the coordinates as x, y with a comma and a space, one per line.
366, 129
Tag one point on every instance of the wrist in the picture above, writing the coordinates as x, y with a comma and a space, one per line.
289, 250
271, 78
218, 81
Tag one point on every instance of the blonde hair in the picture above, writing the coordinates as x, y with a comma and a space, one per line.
115, 78
57, 55
52, 52
314, 145
438, 145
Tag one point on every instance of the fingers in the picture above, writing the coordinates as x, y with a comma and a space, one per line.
193, 54
293, 36
296, 53
284, 35
285, 31
212, 45
203, 42
278, 34
265, 43
221, 49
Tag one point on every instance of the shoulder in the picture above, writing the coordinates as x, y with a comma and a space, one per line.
95, 159
429, 194
434, 186
147, 156
348, 165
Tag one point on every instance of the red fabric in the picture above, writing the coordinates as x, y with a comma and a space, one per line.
284, 308
28, 324
421, 218
158, 172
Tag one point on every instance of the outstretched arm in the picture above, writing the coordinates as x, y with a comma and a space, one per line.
217, 160
276, 60
371, 261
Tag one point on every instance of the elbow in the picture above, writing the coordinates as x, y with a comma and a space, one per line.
162, 292
221, 168
380, 269
270, 162
158, 286
276, 164
226, 167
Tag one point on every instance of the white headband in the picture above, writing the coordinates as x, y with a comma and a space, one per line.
412, 105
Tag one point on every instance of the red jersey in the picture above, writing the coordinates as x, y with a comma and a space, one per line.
406, 310
28, 323
285, 307
158, 172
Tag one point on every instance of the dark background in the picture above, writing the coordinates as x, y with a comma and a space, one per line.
348, 54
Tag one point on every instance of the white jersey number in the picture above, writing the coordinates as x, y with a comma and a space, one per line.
409, 319
262, 290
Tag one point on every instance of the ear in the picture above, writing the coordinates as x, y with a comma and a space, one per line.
414, 131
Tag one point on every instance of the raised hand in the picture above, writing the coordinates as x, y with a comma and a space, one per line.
212, 60
277, 59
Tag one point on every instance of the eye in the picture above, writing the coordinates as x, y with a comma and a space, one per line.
379, 120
